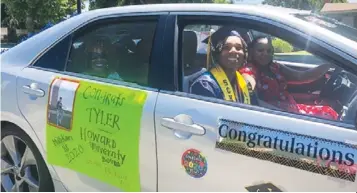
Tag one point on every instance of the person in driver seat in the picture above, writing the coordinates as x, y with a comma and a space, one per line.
99, 59
271, 79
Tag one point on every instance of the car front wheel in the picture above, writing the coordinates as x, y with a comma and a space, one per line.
22, 166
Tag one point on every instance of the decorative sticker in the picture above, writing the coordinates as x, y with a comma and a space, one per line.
266, 187
94, 129
312, 154
194, 163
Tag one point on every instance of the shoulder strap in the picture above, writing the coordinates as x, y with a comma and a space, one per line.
223, 82
244, 87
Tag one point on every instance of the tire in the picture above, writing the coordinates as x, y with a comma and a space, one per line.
42, 177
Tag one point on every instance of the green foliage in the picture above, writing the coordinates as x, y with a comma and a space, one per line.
281, 46
34, 14
4, 14
222, 1
97, 4
314, 5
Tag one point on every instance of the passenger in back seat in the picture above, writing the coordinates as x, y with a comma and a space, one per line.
100, 59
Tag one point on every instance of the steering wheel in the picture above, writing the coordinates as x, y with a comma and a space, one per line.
332, 83
349, 115
331, 90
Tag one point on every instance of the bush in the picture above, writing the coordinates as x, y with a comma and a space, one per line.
281, 46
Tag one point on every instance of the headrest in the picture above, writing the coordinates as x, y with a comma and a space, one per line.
98, 40
143, 48
189, 47
126, 43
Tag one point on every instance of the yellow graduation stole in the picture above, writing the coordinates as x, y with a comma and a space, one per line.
226, 87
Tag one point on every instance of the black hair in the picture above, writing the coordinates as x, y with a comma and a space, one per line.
218, 47
253, 43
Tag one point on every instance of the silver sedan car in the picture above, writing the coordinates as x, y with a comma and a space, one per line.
105, 101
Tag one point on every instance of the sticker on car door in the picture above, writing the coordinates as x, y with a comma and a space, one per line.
304, 152
194, 163
94, 129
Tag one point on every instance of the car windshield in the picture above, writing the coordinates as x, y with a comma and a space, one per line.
330, 24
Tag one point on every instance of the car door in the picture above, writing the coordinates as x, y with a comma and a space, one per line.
58, 77
207, 144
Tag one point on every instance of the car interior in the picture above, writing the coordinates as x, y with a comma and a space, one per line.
128, 51
326, 89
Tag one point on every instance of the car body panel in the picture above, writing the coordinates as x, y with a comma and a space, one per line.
229, 171
160, 167
12, 114
58, 186
71, 178
33, 110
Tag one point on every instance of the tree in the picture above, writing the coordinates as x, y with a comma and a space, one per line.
4, 14
96, 4
314, 5
34, 14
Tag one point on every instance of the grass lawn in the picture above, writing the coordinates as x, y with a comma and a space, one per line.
303, 53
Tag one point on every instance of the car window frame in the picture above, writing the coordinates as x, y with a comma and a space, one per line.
44, 52
156, 50
297, 63
88, 29
324, 48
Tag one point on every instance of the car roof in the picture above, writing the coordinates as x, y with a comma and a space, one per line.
283, 9
30, 48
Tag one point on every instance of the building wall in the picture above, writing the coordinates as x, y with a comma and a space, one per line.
3, 32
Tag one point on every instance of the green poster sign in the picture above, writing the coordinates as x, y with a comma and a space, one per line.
94, 129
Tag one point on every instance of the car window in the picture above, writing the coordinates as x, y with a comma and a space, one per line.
119, 51
330, 24
55, 58
284, 51
268, 72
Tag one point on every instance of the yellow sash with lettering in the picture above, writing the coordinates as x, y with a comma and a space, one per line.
226, 87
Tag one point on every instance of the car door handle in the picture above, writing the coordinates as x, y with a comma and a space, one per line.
33, 90
183, 123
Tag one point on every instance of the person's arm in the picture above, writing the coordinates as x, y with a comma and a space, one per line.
303, 77
203, 88
250, 79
